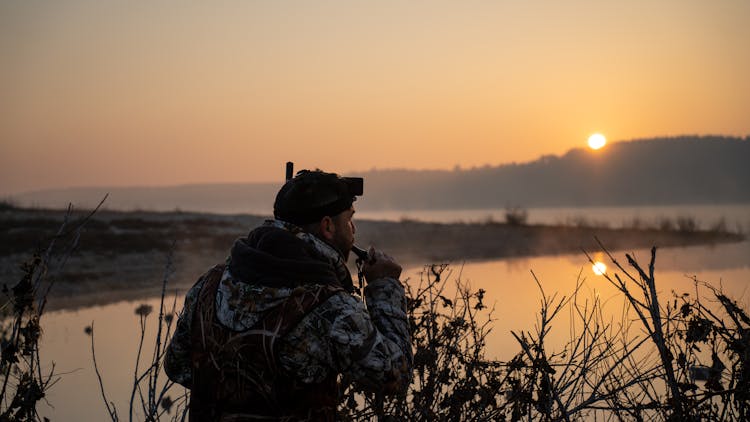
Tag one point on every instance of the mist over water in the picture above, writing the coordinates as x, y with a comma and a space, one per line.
735, 216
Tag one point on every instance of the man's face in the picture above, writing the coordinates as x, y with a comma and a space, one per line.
343, 237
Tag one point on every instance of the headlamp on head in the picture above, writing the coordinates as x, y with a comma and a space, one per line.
313, 194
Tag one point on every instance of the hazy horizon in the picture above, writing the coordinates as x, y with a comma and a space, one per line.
277, 179
671, 171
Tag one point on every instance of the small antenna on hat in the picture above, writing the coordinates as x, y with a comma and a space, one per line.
289, 170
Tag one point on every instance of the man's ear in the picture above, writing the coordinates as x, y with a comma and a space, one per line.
327, 228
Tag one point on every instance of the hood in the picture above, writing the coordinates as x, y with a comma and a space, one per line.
275, 257
267, 266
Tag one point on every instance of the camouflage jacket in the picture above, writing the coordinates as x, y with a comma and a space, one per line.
368, 345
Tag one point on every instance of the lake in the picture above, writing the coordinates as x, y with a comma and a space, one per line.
509, 284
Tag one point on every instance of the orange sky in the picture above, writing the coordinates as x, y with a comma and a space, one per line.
137, 93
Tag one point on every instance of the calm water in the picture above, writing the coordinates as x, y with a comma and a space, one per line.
509, 284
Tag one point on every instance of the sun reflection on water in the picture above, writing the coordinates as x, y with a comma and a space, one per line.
599, 268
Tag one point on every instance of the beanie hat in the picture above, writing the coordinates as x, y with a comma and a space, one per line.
312, 195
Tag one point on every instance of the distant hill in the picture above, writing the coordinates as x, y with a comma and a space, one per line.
661, 171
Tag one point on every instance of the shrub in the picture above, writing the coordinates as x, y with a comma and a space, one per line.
666, 224
691, 365
7, 205
720, 226
687, 224
24, 383
516, 216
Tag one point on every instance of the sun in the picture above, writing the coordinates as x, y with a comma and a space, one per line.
597, 141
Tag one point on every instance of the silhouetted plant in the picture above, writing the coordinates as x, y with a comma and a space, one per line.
692, 342
666, 224
7, 205
150, 398
455, 380
720, 226
24, 379
686, 224
516, 216
692, 364
452, 377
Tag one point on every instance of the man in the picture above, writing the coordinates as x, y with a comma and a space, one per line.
270, 335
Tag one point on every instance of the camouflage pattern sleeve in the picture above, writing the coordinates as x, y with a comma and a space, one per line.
386, 302
177, 363
369, 345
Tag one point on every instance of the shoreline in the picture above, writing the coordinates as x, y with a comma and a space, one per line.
123, 255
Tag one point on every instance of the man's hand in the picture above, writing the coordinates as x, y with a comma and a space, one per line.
380, 265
